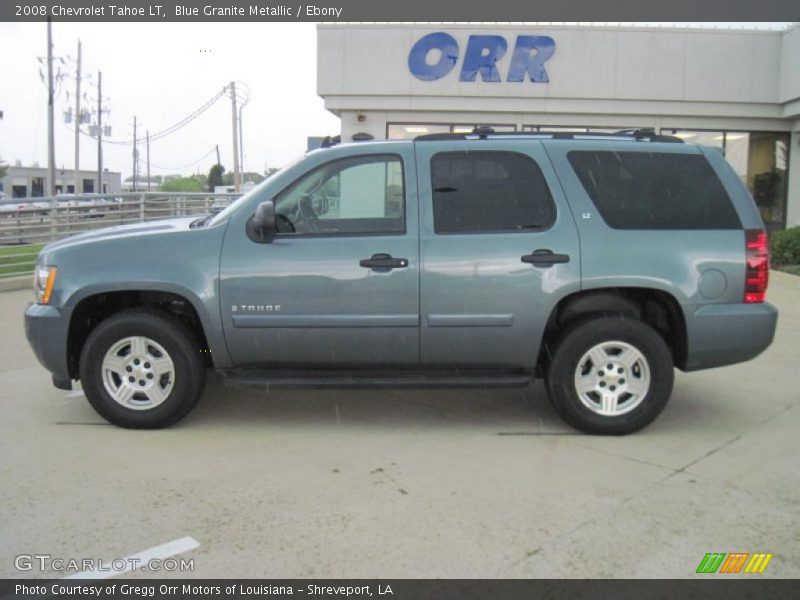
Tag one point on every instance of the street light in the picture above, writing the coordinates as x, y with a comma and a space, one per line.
242, 99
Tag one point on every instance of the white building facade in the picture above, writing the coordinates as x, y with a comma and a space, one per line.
737, 90
31, 182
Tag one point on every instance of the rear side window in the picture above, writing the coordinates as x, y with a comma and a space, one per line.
651, 190
489, 191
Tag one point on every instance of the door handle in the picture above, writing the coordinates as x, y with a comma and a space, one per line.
544, 258
383, 262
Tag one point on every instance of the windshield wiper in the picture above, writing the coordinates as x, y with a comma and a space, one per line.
202, 221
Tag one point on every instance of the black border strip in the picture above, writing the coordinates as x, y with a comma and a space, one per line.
729, 587
406, 11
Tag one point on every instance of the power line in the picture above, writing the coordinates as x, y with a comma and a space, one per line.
175, 127
191, 164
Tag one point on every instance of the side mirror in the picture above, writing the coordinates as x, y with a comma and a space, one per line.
261, 227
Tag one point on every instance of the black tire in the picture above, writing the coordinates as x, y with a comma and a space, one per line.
180, 343
580, 337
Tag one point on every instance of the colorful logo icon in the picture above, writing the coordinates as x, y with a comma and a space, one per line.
734, 562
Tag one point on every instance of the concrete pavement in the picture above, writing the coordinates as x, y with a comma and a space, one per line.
455, 483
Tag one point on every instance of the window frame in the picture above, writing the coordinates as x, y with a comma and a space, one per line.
381, 157
473, 153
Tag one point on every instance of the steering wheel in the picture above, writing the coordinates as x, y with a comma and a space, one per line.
306, 213
284, 220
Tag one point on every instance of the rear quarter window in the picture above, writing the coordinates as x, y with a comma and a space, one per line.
654, 190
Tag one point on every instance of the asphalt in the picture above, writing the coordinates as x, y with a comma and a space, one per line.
397, 484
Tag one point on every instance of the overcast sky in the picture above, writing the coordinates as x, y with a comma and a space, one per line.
160, 73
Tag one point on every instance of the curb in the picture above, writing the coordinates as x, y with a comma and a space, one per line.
10, 284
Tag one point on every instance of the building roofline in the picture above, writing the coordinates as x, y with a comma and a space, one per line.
556, 26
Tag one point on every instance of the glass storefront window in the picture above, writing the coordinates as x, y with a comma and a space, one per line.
469, 128
760, 159
715, 139
546, 128
610, 129
564, 128
408, 131
737, 150
767, 176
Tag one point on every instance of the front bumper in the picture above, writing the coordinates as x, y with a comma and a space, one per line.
725, 334
47, 330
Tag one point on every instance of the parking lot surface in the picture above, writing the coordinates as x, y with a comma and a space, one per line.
441, 483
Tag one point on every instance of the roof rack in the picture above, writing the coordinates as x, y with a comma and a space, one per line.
329, 141
483, 133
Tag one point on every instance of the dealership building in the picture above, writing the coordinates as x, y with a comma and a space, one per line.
737, 90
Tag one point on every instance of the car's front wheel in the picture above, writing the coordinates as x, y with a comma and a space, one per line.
610, 375
142, 369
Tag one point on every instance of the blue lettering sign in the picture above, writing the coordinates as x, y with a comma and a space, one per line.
482, 54
530, 54
447, 46
483, 51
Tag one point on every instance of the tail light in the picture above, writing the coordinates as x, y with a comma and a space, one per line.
757, 273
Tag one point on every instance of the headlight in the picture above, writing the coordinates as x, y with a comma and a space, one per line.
43, 279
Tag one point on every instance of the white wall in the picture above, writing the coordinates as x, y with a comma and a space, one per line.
589, 63
790, 70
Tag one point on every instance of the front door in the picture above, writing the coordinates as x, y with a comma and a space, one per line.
499, 247
339, 284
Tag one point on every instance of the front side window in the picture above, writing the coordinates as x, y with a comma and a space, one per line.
489, 191
359, 195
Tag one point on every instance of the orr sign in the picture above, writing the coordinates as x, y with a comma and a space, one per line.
436, 54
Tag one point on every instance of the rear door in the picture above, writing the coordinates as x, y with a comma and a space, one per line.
498, 249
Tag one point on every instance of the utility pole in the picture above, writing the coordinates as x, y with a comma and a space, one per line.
218, 161
77, 189
237, 182
245, 99
148, 161
241, 141
134, 154
51, 132
99, 132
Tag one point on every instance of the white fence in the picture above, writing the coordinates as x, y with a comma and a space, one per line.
28, 223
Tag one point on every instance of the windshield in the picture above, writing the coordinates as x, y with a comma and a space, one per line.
244, 199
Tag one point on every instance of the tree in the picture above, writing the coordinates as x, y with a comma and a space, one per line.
195, 183
3, 168
215, 177
247, 176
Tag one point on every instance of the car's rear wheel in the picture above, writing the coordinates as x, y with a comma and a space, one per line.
610, 375
142, 369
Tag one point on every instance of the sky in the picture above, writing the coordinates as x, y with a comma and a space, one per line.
161, 73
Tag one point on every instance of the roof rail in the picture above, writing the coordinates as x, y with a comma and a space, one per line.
483, 133
330, 141
362, 137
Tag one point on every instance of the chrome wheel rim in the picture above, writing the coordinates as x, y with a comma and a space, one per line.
138, 373
612, 378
